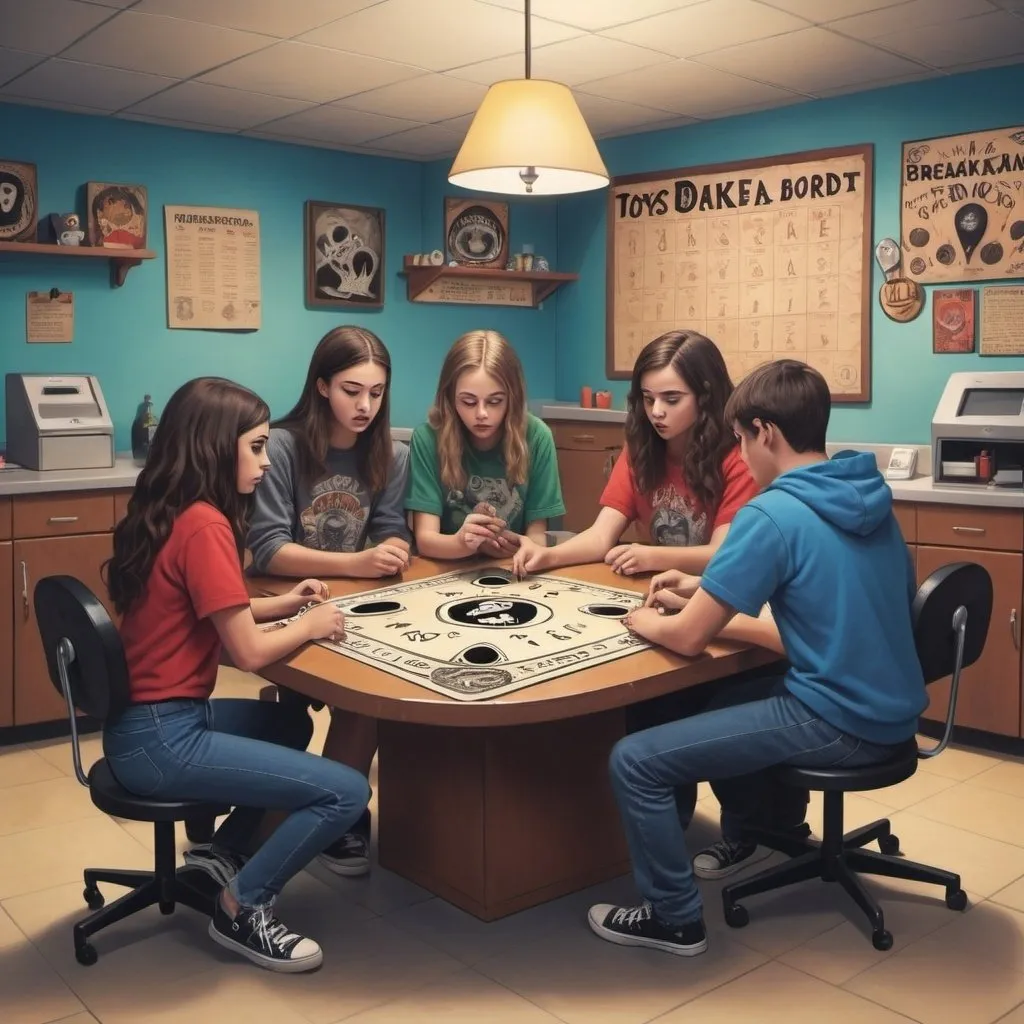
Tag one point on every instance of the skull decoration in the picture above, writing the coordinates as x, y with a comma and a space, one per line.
347, 245
17, 202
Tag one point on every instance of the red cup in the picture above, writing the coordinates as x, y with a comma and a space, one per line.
586, 397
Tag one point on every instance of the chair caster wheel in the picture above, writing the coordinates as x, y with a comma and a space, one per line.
882, 940
93, 897
736, 916
86, 954
956, 900
166, 907
889, 845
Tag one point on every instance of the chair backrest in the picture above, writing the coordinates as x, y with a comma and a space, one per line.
68, 611
936, 635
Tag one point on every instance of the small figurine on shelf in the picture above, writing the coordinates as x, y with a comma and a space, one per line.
68, 229
143, 427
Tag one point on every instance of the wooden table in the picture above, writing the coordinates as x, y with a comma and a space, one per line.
501, 804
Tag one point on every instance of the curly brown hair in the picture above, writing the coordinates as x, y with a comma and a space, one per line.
193, 457
699, 364
311, 419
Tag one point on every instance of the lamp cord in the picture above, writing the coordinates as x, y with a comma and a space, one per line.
527, 38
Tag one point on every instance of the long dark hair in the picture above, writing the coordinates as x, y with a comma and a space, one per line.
698, 361
310, 421
193, 457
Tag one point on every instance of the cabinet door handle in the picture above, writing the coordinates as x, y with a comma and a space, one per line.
583, 437
62, 519
1015, 628
968, 529
24, 587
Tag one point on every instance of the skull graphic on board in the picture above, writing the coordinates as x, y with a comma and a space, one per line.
347, 251
17, 202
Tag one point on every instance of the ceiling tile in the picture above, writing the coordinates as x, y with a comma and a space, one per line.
570, 62
215, 104
338, 125
684, 87
829, 10
272, 17
826, 61
110, 3
72, 108
882, 83
67, 81
909, 17
435, 34
606, 116
426, 140
593, 15
988, 37
303, 72
47, 26
163, 46
459, 125
707, 26
14, 62
170, 122
427, 98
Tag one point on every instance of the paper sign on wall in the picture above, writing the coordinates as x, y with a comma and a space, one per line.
49, 316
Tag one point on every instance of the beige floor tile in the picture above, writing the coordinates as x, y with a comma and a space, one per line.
45, 857
78, 1018
10, 933
986, 812
58, 752
466, 996
381, 891
31, 992
918, 787
1014, 1016
1012, 896
776, 994
957, 763
228, 993
912, 910
969, 972
38, 804
857, 810
582, 979
985, 865
22, 765
1006, 777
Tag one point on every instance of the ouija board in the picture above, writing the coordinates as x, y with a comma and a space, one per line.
480, 633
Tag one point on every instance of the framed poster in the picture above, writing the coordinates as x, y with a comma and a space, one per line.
117, 215
953, 318
476, 232
961, 214
769, 258
344, 257
19, 201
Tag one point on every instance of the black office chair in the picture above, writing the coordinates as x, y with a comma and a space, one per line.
86, 662
951, 614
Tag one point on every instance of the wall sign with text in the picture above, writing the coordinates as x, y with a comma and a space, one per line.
962, 206
770, 258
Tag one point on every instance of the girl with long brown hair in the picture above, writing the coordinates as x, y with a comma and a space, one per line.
484, 472
332, 505
680, 475
176, 578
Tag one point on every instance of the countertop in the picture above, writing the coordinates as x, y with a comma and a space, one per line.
27, 481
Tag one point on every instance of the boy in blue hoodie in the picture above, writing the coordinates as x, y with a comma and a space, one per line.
821, 547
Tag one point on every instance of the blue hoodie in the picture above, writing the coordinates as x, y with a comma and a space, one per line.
820, 545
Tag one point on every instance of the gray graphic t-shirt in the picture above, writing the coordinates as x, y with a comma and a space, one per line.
338, 513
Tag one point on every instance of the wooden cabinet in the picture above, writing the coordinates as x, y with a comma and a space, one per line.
906, 516
5, 518
6, 635
990, 691
968, 526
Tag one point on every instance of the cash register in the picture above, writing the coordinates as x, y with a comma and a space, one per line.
58, 422
978, 430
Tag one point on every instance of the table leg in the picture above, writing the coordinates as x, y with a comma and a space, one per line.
498, 820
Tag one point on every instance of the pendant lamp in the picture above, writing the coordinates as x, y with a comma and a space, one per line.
528, 137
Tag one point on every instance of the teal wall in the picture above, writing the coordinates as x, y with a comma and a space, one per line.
121, 334
907, 379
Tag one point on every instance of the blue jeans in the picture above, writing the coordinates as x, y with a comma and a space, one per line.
646, 767
250, 755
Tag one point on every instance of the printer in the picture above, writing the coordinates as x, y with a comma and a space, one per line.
978, 430
58, 422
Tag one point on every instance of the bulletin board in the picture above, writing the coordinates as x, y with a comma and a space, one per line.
769, 258
962, 207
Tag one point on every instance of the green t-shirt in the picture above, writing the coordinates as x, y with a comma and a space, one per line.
539, 498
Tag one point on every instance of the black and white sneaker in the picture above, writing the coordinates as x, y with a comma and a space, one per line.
726, 857
349, 856
218, 864
637, 926
257, 935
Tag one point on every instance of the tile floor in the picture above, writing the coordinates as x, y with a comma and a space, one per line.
395, 954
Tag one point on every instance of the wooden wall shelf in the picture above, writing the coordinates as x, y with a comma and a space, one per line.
121, 260
482, 286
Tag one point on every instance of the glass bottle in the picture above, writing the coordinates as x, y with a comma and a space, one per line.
143, 428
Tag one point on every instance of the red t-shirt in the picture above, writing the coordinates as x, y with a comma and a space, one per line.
671, 514
171, 645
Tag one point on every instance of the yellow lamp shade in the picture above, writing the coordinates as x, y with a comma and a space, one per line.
528, 127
